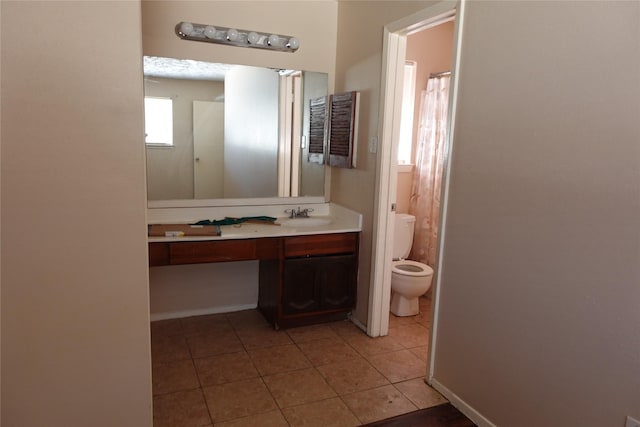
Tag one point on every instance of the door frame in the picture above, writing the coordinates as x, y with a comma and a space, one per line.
394, 52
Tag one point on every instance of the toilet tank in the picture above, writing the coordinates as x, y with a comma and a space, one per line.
403, 235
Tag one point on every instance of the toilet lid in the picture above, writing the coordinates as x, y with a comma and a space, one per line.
411, 268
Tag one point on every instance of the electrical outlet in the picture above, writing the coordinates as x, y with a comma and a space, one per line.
632, 422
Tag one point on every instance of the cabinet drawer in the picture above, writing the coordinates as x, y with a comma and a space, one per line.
320, 244
218, 251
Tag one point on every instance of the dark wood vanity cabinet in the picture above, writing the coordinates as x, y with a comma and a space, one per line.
303, 279
318, 284
319, 276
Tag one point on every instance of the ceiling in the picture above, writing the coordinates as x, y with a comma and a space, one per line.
155, 66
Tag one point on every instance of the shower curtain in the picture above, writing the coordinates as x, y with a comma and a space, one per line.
427, 178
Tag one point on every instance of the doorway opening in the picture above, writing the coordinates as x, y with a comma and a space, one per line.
396, 38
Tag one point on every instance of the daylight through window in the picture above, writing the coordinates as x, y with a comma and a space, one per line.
158, 121
405, 142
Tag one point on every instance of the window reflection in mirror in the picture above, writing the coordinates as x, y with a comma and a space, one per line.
158, 121
238, 132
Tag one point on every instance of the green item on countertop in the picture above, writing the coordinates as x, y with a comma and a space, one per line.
231, 221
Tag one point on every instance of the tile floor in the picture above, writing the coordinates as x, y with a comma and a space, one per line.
235, 370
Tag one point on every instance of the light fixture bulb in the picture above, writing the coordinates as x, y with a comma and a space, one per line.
232, 34
273, 40
186, 28
210, 32
294, 43
253, 37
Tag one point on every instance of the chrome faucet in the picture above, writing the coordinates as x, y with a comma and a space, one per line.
298, 213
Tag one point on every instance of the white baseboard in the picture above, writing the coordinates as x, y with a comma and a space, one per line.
201, 312
461, 405
358, 323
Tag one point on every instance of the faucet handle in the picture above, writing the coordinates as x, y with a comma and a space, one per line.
292, 212
304, 212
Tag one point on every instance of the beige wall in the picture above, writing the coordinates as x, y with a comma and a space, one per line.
358, 67
75, 331
539, 294
431, 49
317, 35
539, 315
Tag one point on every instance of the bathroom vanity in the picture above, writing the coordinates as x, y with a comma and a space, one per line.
307, 274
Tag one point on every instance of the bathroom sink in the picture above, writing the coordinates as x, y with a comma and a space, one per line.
313, 221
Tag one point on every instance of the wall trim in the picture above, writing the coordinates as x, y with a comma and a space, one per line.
358, 323
475, 416
201, 311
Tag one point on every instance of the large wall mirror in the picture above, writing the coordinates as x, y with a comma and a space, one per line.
231, 133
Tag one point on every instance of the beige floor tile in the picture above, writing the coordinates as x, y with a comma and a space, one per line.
169, 348
399, 365
231, 351
395, 321
268, 419
425, 322
246, 319
238, 399
282, 358
325, 413
310, 333
351, 376
181, 409
421, 352
211, 344
366, 345
328, 350
378, 404
413, 335
209, 324
260, 336
174, 376
166, 327
346, 329
225, 368
298, 387
418, 392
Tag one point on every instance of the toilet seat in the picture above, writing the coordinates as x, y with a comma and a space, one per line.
407, 267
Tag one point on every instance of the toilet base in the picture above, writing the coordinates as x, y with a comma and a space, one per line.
401, 306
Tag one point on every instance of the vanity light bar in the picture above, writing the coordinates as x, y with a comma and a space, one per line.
234, 37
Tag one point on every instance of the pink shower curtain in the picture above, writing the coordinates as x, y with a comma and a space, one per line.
427, 177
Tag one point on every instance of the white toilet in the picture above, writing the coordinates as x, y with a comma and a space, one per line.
409, 279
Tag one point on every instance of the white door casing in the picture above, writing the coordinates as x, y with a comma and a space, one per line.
394, 51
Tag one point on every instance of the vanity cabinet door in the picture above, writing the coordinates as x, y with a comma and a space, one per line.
300, 290
313, 281
337, 282
317, 284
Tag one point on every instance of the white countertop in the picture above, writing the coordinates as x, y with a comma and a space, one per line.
342, 220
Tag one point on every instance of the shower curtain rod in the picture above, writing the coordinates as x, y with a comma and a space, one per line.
442, 74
